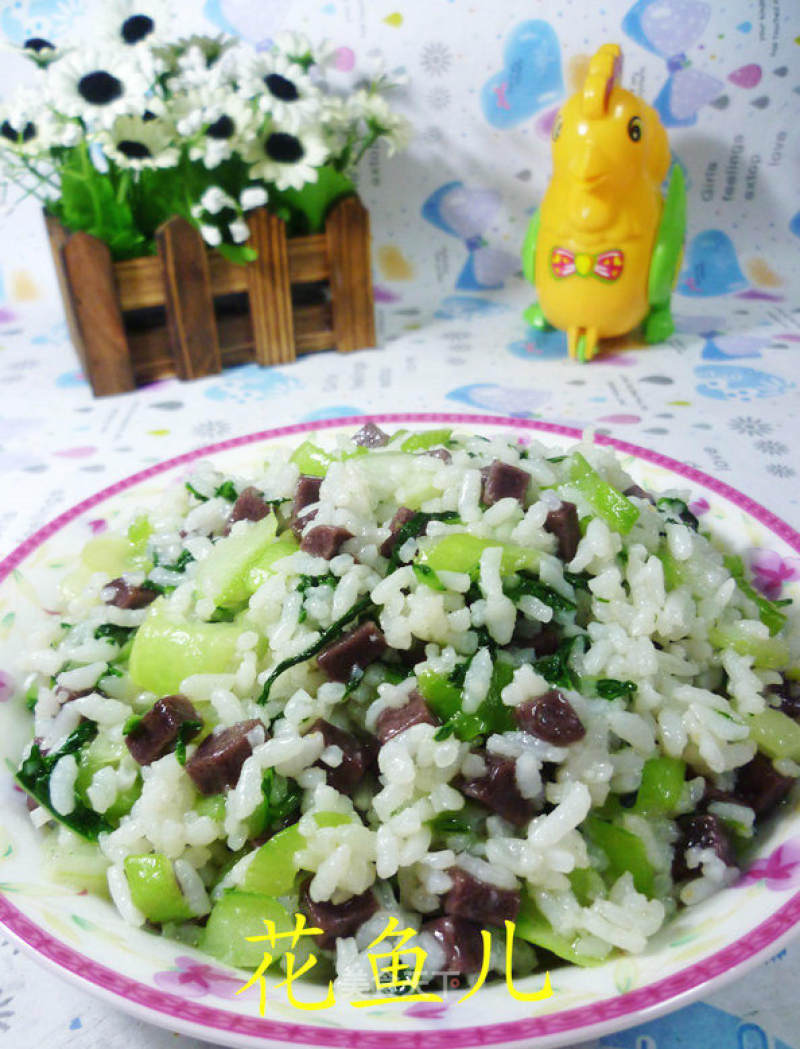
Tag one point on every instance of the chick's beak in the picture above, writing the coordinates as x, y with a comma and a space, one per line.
588, 162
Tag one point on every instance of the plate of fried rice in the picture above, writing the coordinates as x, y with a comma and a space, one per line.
402, 730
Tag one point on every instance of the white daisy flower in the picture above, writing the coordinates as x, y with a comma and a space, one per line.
239, 231
214, 199
202, 62
136, 23
375, 111
218, 126
99, 86
253, 197
139, 142
211, 235
282, 89
29, 127
289, 160
298, 48
36, 49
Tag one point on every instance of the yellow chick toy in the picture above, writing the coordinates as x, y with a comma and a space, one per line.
605, 247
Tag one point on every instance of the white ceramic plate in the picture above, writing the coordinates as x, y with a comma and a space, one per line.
176, 987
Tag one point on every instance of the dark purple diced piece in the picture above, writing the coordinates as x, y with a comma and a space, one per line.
401, 517
394, 720
371, 436
760, 786
461, 942
502, 481
544, 640
249, 506
66, 695
159, 728
306, 492
704, 832
127, 596
638, 493
357, 756
218, 760
439, 453
336, 919
563, 524
789, 694
358, 648
480, 902
498, 790
324, 540
551, 717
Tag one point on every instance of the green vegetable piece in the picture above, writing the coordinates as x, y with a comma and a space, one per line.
154, 888
461, 552
661, 787
310, 459
536, 929
677, 511
443, 697
281, 799
112, 632
212, 805
167, 648
674, 571
223, 575
113, 554
776, 734
555, 668
426, 575
524, 585
587, 885
769, 612
81, 865
767, 652
261, 571
139, 531
237, 915
618, 512
273, 870
420, 442
625, 852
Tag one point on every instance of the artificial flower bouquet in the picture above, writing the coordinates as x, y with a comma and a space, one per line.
127, 130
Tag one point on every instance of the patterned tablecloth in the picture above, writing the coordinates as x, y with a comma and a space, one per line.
722, 394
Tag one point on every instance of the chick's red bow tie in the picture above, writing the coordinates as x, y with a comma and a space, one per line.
607, 265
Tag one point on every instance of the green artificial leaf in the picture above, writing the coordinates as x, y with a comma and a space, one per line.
308, 207
240, 254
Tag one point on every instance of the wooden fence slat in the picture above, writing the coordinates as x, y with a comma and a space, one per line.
58, 236
189, 304
92, 291
270, 290
347, 231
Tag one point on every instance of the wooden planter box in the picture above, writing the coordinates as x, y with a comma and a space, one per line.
189, 312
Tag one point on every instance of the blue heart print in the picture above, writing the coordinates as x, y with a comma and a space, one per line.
456, 307
722, 347
510, 400
530, 79
712, 267
724, 382
540, 345
695, 1025
251, 382
668, 28
43, 18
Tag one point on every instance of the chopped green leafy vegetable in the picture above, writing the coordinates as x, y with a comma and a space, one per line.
227, 490
677, 511
428, 576
335, 630
769, 612
417, 526
132, 723
444, 823
34, 774
555, 668
610, 688
112, 632
527, 586
198, 495
188, 729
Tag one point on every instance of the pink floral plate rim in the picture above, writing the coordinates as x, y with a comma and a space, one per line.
652, 999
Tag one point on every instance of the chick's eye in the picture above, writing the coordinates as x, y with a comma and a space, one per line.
635, 129
557, 127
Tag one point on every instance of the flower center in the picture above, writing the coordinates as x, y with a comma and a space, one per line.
136, 28
13, 135
99, 88
284, 148
37, 44
222, 128
134, 150
148, 115
281, 88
